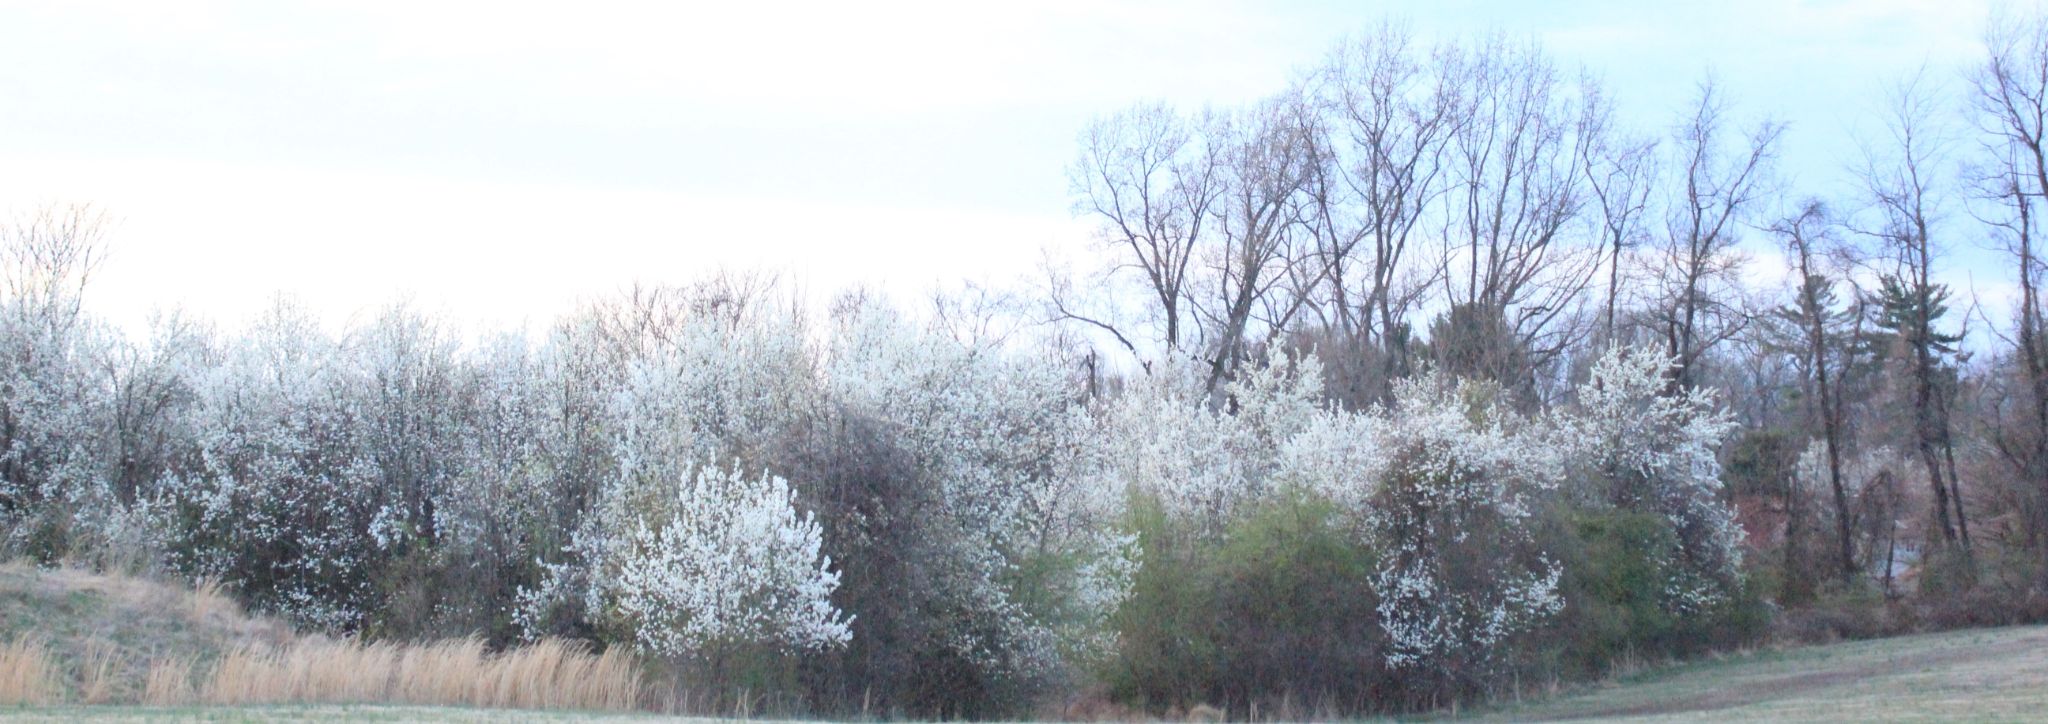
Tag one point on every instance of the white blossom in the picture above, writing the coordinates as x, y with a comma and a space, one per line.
718, 557
1648, 449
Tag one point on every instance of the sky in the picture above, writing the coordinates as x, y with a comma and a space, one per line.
499, 163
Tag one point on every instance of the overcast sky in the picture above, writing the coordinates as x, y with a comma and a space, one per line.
498, 162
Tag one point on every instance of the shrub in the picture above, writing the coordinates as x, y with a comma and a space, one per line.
717, 559
1276, 615
1616, 609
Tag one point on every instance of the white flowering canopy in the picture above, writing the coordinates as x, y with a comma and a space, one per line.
1007, 442
1654, 451
1441, 483
1164, 438
717, 557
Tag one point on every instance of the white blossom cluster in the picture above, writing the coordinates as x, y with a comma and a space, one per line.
717, 557
720, 387
1165, 437
1441, 482
1001, 440
1441, 472
277, 487
1009, 444
58, 404
569, 484
1651, 450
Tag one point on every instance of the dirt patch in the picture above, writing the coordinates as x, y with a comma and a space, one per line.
1793, 684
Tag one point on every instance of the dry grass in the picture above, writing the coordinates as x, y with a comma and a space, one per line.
26, 673
550, 674
96, 677
212, 604
169, 682
85, 638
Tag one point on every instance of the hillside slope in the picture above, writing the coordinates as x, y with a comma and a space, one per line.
74, 638
103, 633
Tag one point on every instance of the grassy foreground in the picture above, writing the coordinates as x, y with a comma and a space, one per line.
1973, 675
1977, 675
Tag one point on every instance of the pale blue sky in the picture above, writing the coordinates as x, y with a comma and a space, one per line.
499, 161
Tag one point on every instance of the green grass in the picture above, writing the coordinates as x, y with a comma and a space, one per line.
1975, 675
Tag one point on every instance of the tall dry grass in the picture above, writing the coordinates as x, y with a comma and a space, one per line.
169, 682
27, 675
551, 674
96, 677
211, 602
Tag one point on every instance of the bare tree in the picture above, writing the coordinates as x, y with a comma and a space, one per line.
1620, 174
1150, 177
46, 259
1517, 175
1696, 274
1267, 159
2010, 99
1389, 118
1209, 214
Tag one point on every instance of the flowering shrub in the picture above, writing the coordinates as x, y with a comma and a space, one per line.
1442, 483
960, 521
57, 415
1644, 450
1029, 563
1163, 437
715, 558
273, 502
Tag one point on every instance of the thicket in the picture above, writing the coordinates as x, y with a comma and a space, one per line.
869, 514
1316, 437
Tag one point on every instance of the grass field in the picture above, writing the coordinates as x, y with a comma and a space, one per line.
1978, 675
1975, 675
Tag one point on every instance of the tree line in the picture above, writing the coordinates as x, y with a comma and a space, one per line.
1424, 379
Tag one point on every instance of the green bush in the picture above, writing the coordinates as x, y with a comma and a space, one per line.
1614, 586
1168, 651
1301, 619
1276, 613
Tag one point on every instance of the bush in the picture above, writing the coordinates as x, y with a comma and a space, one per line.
1617, 610
1302, 624
1170, 648
1844, 613
1613, 587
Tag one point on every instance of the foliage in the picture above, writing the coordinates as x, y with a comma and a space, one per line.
1280, 609
1460, 579
1616, 612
